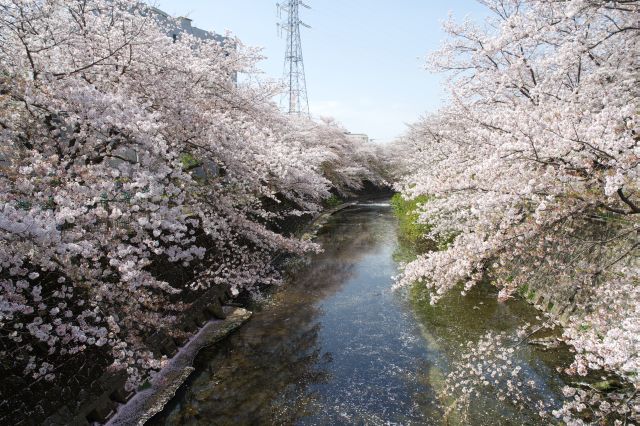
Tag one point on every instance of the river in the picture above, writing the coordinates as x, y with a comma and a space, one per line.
337, 345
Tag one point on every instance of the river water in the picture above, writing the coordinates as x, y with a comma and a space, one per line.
337, 345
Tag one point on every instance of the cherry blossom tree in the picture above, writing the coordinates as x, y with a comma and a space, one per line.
533, 168
347, 164
124, 152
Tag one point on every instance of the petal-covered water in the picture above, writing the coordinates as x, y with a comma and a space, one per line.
338, 346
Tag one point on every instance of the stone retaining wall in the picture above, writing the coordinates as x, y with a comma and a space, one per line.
99, 399
560, 310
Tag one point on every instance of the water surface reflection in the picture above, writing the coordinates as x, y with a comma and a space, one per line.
337, 345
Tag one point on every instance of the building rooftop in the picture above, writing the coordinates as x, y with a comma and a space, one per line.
182, 24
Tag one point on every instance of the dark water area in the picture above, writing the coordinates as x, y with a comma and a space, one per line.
337, 345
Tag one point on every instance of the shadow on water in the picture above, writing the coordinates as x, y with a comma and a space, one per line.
337, 346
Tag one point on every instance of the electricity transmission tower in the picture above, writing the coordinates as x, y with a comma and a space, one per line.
296, 99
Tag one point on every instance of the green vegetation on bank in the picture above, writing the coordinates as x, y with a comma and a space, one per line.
415, 232
333, 201
407, 213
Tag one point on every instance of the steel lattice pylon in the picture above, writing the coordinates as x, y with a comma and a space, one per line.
295, 100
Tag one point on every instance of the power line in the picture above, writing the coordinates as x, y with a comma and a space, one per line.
297, 101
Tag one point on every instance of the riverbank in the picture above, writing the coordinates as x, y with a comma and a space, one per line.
337, 345
150, 400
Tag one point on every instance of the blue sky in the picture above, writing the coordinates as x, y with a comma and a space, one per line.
364, 59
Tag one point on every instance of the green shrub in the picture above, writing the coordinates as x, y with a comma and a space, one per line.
333, 201
189, 161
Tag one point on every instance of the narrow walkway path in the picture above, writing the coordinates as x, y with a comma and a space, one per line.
338, 346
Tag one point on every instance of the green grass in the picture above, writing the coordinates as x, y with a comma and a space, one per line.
407, 213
